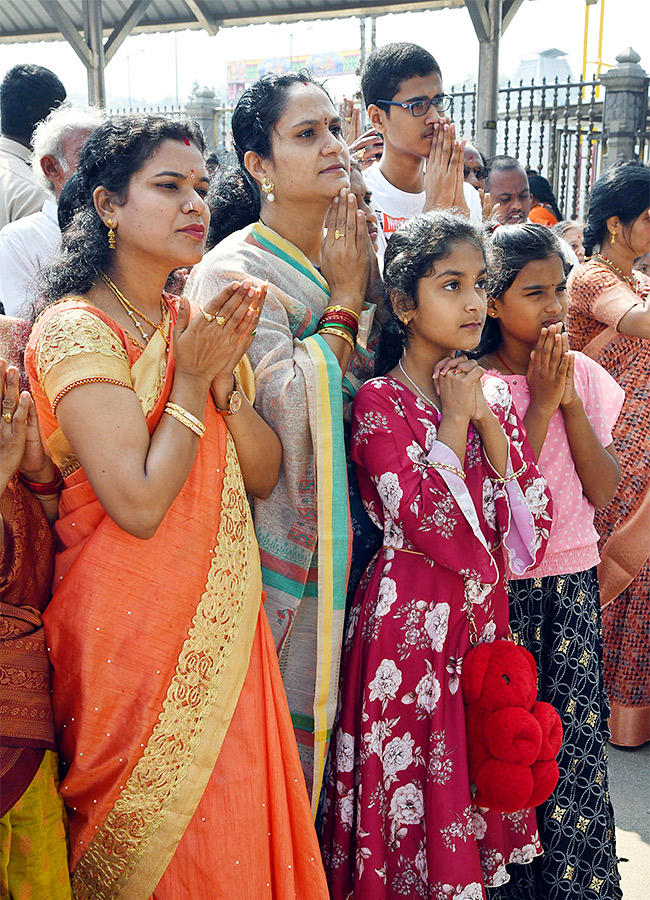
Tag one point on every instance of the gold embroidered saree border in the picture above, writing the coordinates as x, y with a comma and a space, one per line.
139, 836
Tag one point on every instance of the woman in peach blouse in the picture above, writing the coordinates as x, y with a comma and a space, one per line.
609, 320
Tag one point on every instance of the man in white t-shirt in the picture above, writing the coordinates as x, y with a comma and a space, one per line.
31, 242
421, 167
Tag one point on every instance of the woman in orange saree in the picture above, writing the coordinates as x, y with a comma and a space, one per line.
181, 773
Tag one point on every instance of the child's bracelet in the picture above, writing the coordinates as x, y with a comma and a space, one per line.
500, 480
449, 468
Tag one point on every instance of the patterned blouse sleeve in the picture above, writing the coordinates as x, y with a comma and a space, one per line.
75, 347
602, 295
524, 508
426, 502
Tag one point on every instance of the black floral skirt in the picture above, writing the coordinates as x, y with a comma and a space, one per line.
557, 618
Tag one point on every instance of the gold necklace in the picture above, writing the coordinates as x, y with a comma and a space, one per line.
409, 379
631, 281
132, 311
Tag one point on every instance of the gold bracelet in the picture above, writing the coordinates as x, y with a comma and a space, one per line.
342, 309
500, 480
454, 469
188, 415
185, 418
338, 332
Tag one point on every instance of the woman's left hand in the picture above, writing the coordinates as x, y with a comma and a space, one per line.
222, 384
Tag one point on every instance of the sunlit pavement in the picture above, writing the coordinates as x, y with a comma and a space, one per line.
629, 782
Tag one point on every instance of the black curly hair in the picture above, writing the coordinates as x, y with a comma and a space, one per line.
411, 254
623, 190
509, 249
114, 152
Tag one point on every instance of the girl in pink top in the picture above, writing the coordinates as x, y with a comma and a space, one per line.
569, 405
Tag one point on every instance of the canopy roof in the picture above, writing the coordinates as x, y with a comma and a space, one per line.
96, 29
35, 20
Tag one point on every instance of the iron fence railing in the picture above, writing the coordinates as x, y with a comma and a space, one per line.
174, 112
553, 128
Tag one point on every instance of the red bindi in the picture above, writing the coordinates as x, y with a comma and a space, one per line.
187, 142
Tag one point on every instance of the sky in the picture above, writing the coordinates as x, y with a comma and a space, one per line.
149, 67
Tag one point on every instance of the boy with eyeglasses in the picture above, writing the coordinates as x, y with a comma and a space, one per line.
421, 167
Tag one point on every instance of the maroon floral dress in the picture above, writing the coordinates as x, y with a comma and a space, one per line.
398, 818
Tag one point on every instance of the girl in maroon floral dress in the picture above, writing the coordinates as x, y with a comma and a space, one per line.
445, 471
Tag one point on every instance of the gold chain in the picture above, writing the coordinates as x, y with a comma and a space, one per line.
132, 311
631, 281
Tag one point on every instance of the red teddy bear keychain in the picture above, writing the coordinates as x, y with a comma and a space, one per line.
512, 738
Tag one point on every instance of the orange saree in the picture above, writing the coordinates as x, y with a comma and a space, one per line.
181, 772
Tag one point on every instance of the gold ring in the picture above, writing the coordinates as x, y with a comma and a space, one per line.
7, 416
220, 320
338, 234
208, 316
359, 154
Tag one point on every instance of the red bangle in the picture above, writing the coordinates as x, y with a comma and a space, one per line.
49, 488
340, 317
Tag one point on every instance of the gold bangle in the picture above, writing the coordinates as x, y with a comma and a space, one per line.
342, 309
500, 480
338, 332
449, 468
185, 418
188, 415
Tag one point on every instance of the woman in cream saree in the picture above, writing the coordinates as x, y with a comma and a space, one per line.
304, 377
181, 774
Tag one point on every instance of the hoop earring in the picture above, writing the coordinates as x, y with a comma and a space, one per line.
268, 187
111, 234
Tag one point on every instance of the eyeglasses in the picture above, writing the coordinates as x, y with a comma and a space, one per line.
421, 107
481, 172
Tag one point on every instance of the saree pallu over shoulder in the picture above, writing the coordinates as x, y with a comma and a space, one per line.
155, 633
303, 528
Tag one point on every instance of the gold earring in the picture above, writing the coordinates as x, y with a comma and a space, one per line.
405, 320
613, 233
111, 234
268, 187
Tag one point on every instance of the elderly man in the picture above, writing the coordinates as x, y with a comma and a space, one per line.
31, 242
27, 94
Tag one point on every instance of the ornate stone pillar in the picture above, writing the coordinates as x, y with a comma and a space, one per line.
626, 86
204, 106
